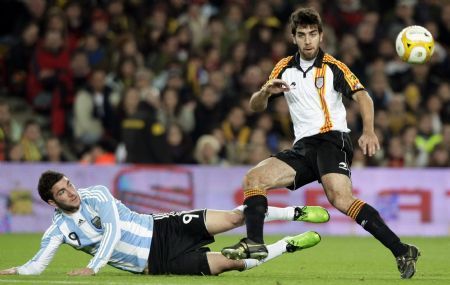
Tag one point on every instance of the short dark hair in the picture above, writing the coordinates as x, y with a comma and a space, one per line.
305, 17
46, 182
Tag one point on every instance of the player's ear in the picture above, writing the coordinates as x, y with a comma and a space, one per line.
293, 40
52, 203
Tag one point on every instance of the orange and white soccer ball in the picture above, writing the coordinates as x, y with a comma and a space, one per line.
415, 44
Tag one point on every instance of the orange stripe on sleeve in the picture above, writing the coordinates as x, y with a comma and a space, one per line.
351, 79
278, 68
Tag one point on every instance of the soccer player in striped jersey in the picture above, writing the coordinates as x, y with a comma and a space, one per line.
93, 221
313, 83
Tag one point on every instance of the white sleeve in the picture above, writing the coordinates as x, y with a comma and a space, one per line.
105, 205
50, 243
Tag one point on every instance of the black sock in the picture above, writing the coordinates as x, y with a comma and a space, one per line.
371, 221
255, 213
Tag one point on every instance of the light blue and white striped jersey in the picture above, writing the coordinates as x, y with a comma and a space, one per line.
103, 227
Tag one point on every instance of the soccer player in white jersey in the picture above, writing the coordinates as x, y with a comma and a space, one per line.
93, 221
313, 84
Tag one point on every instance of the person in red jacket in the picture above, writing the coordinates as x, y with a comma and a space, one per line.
50, 87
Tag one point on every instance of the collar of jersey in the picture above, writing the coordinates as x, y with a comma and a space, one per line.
317, 63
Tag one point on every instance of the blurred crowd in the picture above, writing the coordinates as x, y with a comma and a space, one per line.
168, 81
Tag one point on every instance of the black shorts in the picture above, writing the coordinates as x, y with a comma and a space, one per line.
177, 244
314, 156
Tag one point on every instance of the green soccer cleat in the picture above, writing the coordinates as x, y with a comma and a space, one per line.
245, 248
302, 241
407, 263
311, 214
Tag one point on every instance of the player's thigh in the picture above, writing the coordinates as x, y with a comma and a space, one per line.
190, 263
338, 188
221, 221
335, 156
303, 169
270, 173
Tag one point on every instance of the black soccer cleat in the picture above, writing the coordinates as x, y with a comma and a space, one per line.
245, 248
406, 263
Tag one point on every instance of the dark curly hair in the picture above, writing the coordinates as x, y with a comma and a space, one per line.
305, 17
46, 182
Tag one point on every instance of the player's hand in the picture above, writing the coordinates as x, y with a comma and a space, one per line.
275, 86
9, 271
369, 143
81, 272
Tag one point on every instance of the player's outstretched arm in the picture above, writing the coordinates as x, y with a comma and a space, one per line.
258, 101
9, 271
368, 140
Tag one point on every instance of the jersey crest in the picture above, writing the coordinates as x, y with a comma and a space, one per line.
319, 82
97, 222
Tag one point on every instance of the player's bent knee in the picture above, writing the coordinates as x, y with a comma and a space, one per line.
255, 179
237, 218
341, 202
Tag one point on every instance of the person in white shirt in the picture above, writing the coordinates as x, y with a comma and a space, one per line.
313, 84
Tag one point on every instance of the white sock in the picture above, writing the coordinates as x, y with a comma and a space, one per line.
276, 249
275, 213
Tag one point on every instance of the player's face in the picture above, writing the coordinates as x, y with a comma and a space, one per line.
65, 196
307, 39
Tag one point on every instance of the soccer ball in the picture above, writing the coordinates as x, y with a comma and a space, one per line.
414, 44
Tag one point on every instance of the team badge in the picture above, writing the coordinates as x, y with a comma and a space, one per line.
319, 82
97, 222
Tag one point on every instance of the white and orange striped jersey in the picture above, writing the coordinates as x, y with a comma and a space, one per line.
315, 95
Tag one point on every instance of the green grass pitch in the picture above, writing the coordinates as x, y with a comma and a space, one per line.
336, 260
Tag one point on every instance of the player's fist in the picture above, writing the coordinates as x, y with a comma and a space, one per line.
275, 86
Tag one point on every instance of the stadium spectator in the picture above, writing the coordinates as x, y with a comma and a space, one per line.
237, 134
398, 117
172, 111
380, 91
257, 149
395, 153
15, 153
81, 70
94, 113
54, 151
32, 141
119, 21
18, 59
143, 82
426, 139
10, 128
208, 112
100, 153
97, 54
180, 145
76, 21
50, 85
123, 76
143, 136
439, 157
146, 243
207, 151
409, 135
434, 107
